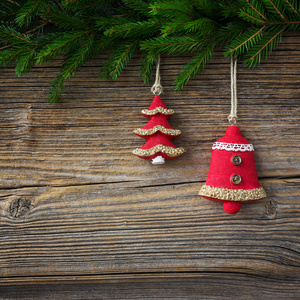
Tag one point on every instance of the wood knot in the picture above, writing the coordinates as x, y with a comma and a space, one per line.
271, 210
20, 207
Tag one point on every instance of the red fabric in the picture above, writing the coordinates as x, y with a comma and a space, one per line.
158, 119
233, 135
222, 169
157, 102
232, 207
158, 137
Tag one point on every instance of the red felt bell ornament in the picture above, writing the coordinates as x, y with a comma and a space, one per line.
232, 177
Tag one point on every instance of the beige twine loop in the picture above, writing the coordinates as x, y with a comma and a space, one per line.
157, 88
233, 113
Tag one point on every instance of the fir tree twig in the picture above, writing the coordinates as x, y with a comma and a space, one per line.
37, 31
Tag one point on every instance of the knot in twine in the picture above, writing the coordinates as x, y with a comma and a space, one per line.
157, 88
233, 113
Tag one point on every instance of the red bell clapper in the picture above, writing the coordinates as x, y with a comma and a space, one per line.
158, 131
232, 177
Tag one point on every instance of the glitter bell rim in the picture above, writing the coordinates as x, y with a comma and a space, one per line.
224, 194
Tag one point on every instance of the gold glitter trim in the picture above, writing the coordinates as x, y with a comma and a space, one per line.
171, 152
159, 109
173, 132
232, 195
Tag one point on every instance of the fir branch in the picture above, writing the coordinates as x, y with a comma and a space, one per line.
292, 7
75, 61
266, 46
5, 47
119, 59
200, 3
147, 28
107, 23
171, 9
123, 60
193, 67
82, 29
250, 18
12, 36
92, 5
173, 27
172, 45
101, 46
256, 9
36, 28
58, 44
8, 56
148, 61
138, 5
281, 15
8, 13
14, 2
71, 64
25, 62
4, 15
203, 26
204, 6
245, 42
57, 87
227, 35
63, 19
29, 11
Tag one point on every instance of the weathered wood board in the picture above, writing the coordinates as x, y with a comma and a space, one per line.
83, 218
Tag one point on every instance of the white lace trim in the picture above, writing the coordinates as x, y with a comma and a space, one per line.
233, 147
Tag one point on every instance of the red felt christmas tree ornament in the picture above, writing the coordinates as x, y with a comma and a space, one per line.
158, 131
232, 177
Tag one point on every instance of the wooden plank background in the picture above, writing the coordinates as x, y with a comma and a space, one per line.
83, 218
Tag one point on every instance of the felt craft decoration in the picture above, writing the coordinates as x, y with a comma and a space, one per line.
232, 177
158, 131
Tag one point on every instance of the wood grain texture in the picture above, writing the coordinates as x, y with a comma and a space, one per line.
83, 218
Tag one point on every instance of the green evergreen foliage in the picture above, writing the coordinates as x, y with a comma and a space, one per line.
37, 31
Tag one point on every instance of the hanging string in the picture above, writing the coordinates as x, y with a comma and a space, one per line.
233, 113
157, 88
